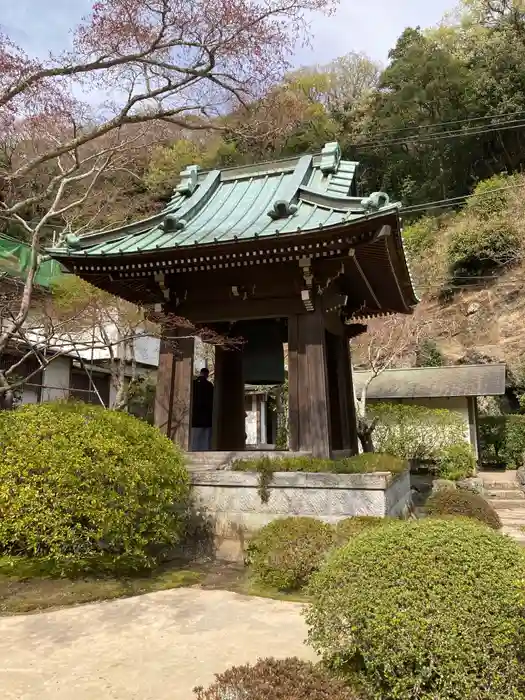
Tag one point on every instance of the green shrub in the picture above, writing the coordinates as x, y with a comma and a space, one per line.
88, 488
490, 198
283, 464
424, 609
464, 503
415, 432
285, 553
370, 462
456, 462
348, 528
492, 434
477, 246
420, 236
428, 354
359, 464
276, 679
514, 447
502, 439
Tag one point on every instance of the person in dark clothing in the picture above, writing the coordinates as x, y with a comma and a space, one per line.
202, 412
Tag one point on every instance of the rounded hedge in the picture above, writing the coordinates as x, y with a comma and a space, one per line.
88, 488
276, 679
348, 528
456, 461
460, 502
428, 609
285, 553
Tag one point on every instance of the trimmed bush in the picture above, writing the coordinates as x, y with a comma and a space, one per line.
88, 489
348, 528
359, 464
464, 503
415, 432
456, 462
370, 462
276, 679
285, 553
427, 609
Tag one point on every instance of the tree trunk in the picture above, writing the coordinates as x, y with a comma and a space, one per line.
364, 433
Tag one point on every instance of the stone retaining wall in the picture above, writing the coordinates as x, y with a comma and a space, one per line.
232, 501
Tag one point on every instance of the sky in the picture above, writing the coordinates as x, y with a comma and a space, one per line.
370, 26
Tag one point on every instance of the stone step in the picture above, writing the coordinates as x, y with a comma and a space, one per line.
507, 503
515, 532
502, 494
504, 485
514, 516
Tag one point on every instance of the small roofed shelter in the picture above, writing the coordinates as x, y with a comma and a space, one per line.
276, 252
455, 388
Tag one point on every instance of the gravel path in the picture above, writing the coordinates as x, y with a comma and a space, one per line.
152, 647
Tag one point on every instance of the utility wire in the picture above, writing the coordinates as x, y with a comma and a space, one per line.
453, 134
455, 121
454, 201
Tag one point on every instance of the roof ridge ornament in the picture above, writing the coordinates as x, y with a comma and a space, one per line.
188, 180
288, 191
72, 241
375, 201
281, 209
330, 157
172, 223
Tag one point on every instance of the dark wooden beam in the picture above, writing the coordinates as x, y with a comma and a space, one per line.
352, 330
235, 310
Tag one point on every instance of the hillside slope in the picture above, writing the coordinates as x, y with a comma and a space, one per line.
469, 271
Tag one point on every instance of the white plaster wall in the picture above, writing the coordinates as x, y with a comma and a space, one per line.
29, 395
55, 381
147, 351
251, 428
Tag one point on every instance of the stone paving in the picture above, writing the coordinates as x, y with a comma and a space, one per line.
152, 647
506, 494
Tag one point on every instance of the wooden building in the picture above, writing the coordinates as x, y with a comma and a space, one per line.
275, 252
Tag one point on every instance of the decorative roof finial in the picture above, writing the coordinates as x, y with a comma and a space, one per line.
72, 241
188, 181
282, 210
172, 223
330, 157
376, 201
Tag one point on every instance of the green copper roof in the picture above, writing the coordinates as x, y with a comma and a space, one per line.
15, 261
295, 195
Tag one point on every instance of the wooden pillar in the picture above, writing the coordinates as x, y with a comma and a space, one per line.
174, 391
343, 387
229, 420
309, 401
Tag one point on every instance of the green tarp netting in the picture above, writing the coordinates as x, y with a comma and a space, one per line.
15, 259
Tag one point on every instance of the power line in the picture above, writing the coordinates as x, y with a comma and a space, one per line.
455, 121
453, 201
458, 133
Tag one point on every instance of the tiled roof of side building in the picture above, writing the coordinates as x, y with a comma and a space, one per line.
434, 382
294, 195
